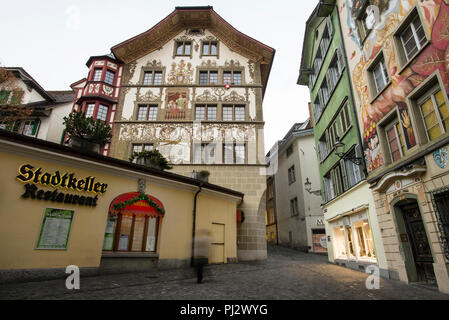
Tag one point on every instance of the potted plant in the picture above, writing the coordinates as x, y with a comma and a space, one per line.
204, 175
86, 133
153, 159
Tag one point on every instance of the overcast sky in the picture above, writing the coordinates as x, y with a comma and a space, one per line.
52, 41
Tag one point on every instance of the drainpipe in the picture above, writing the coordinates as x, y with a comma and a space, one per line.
194, 223
354, 112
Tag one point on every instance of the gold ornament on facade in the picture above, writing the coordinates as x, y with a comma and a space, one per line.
234, 97
181, 73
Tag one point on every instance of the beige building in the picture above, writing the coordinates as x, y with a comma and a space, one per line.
192, 87
299, 220
64, 207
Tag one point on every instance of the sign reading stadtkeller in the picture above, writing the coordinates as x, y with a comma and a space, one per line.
55, 229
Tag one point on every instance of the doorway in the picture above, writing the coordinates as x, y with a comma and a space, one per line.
218, 244
417, 242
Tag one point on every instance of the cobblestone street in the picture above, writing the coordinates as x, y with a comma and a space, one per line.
286, 275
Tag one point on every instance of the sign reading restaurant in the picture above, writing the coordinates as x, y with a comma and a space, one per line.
33, 177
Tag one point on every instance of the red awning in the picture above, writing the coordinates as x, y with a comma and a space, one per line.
136, 203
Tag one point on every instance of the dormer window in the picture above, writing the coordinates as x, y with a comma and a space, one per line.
109, 78
183, 48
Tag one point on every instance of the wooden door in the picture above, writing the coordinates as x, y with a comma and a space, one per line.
419, 242
217, 255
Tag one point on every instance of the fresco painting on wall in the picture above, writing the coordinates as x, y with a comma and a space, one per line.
176, 104
435, 56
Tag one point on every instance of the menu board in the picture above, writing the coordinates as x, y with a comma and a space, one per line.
55, 229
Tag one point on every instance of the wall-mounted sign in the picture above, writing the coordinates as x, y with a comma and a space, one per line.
441, 158
55, 229
57, 180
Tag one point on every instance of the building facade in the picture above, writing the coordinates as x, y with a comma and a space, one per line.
192, 87
299, 221
66, 207
48, 108
397, 60
352, 226
271, 216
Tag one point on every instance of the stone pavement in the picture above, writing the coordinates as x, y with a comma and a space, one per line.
286, 275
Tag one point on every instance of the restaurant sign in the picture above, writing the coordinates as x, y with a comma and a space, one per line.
33, 177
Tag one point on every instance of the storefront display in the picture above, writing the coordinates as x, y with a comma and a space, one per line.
55, 229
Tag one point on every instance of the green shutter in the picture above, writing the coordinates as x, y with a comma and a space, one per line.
4, 95
35, 127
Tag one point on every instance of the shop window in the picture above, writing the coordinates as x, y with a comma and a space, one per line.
365, 241
339, 243
350, 242
109, 78
183, 48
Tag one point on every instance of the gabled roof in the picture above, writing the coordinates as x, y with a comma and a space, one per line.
298, 129
196, 17
21, 74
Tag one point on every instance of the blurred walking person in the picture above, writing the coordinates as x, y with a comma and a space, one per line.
201, 252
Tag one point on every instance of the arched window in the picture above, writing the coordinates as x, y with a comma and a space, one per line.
133, 223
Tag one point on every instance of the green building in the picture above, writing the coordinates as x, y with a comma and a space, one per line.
352, 227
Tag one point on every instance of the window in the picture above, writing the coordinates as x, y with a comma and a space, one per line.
27, 127
289, 150
395, 139
322, 147
441, 205
90, 110
206, 112
410, 38
234, 113
345, 118
141, 147
294, 211
131, 233
291, 175
232, 77
208, 77
97, 74
318, 108
183, 48
352, 172
109, 78
4, 96
152, 78
210, 48
365, 242
435, 113
147, 112
379, 74
234, 153
102, 112
322, 50
205, 153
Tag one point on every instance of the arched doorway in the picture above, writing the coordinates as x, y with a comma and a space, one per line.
414, 241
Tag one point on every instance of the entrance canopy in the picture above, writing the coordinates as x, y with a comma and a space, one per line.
136, 203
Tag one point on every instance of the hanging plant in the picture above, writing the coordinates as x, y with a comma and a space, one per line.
151, 158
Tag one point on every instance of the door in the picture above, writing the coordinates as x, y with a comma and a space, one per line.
217, 254
418, 242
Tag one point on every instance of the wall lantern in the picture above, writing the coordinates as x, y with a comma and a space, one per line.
339, 147
308, 186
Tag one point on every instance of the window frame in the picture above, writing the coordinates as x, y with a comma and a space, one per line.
209, 42
373, 85
234, 106
153, 72
149, 106
208, 71
291, 175
234, 153
207, 107
183, 54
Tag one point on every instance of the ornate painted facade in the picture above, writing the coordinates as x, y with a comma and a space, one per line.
192, 87
397, 52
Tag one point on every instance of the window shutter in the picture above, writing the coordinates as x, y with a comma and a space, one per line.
35, 127
344, 174
4, 96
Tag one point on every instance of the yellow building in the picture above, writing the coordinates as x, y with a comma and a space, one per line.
62, 207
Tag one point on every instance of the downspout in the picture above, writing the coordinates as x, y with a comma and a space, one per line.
195, 199
354, 112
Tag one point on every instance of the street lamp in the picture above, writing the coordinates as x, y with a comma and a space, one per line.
308, 186
339, 147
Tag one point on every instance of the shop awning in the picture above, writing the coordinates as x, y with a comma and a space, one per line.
136, 203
